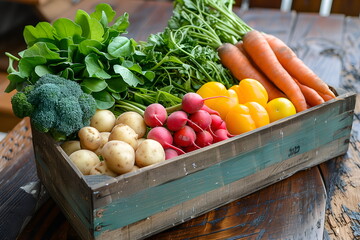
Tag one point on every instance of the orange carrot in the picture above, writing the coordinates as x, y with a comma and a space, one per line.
260, 52
312, 97
240, 67
296, 67
325, 96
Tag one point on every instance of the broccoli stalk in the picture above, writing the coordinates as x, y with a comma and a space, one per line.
55, 105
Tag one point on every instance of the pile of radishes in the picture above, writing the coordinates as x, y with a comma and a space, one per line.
193, 127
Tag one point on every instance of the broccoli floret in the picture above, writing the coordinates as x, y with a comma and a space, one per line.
88, 107
55, 104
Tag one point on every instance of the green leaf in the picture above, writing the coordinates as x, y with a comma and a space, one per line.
28, 64
94, 67
40, 49
120, 47
15, 79
91, 27
42, 30
150, 75
121, 23
65, 28
101, 9
88, 46
129, 77
103, 99
94, 84
41, 70
116, 85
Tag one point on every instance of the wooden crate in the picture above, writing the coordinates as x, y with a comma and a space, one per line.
139, 204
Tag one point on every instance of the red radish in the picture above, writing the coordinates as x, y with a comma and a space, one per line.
184, 137
170, 153
220, 135
209, 110
176, 120
192, 102
191, 148
164, 137
199, 120
204, 138
155, 115
217, 122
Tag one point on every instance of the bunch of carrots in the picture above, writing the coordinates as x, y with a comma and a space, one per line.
269, 60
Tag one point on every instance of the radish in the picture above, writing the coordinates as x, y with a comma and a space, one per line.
192, 102
176, 120
191, 148
200, 120
220, 135
204, 138
155, 115
184, 137
209, 110
164, 137
170, 153
217, 122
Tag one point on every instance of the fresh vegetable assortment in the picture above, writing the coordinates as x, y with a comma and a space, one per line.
207, 77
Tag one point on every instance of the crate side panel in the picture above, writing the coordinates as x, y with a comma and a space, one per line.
223, 195
292, 143
59, 177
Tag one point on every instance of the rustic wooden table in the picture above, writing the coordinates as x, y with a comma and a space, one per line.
318, 203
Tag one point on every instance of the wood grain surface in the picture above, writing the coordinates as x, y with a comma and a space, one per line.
318, 203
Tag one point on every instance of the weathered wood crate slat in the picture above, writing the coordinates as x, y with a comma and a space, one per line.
139, 204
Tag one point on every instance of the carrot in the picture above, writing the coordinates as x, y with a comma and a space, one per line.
325, 96
240, 67
259, 50
312, 97
296, 67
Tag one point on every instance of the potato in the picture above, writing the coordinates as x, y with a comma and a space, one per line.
149, 152
84, 160
135, 168
119, 156
70, 146
102, 169
89, 138
139, 141
133, 120
124, 133
104, 138
103, 120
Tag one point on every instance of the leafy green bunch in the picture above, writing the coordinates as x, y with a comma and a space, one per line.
88, 50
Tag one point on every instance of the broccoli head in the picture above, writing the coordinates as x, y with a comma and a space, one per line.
55, 104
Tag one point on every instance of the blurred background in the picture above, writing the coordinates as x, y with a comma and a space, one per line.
16, 14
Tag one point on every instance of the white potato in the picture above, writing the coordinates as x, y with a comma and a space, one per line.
139, 141
103, 120
124, 133
104, 138
84, 160
149, 152
119, 156
89, 138
70, 146
133, 120
102, 169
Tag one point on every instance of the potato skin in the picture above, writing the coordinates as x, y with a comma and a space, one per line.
104, 138
149, 152
102, 169
89, 138
124, 133
70, 146
84, 160
103, 120
119, 156
133, 120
